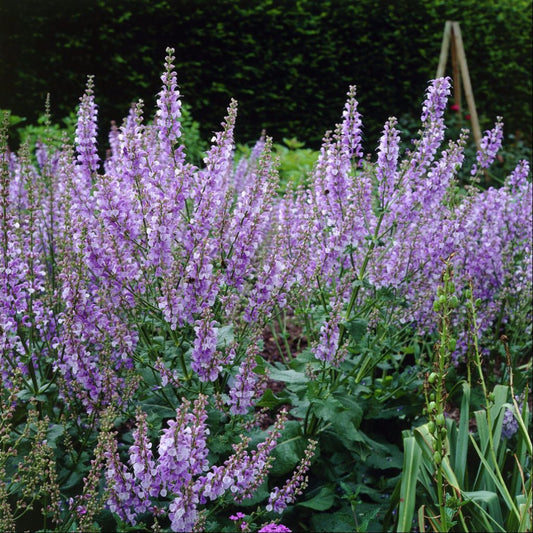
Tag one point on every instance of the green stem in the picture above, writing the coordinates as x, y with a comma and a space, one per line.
360, 276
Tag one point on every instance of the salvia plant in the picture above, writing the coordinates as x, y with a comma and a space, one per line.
138, 294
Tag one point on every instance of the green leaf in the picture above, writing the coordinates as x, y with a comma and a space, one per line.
328, 409
490, 471
489, 501
290, 449
321, 502
225, 336
461, 449
53, 432
158, 411
269, 399
411, 465
338, 522
287, 376
357, 328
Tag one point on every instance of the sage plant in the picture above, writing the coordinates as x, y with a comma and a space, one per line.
140, 286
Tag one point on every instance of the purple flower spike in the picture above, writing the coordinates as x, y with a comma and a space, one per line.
86, 132
204, 359
244, 388
280, 498
489, 146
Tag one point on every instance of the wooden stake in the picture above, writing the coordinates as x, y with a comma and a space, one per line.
444, 49
456, 79
452, 35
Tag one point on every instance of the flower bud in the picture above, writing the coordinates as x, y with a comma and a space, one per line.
433, 377
452, 344
431, 427
439, 419
437, 459
454, 301
432, 406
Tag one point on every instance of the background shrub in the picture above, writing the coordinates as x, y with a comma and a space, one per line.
288, 63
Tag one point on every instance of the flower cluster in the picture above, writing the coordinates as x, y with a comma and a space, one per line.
181, 470
510, 423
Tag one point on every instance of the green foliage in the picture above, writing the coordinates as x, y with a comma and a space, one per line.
288, 63
473, 481
295, 161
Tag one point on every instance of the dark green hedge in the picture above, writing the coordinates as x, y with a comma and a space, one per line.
288, 62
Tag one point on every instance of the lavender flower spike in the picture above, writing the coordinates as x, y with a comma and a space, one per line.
169, 106
86, 131
244, 389
204, 359
387, 164
489, 146
280, 498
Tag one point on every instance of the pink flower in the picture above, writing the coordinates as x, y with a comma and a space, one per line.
455, 107
275, 528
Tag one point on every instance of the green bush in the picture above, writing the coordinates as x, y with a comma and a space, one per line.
288, 63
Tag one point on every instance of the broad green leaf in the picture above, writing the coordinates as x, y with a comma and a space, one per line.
357, 328
158, 411
289, 450
462, 441
524, 507
480, 517
498, 483
224, 336
328, 409
287, 376
53, 432
337, 522
269, 399
321, 502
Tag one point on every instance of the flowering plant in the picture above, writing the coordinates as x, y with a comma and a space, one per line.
137, 295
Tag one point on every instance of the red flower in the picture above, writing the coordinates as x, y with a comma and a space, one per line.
455, 107
467, 116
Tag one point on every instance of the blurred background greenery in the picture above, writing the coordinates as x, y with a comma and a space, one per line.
289, 63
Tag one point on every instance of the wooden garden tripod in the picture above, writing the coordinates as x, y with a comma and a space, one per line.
452, 36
